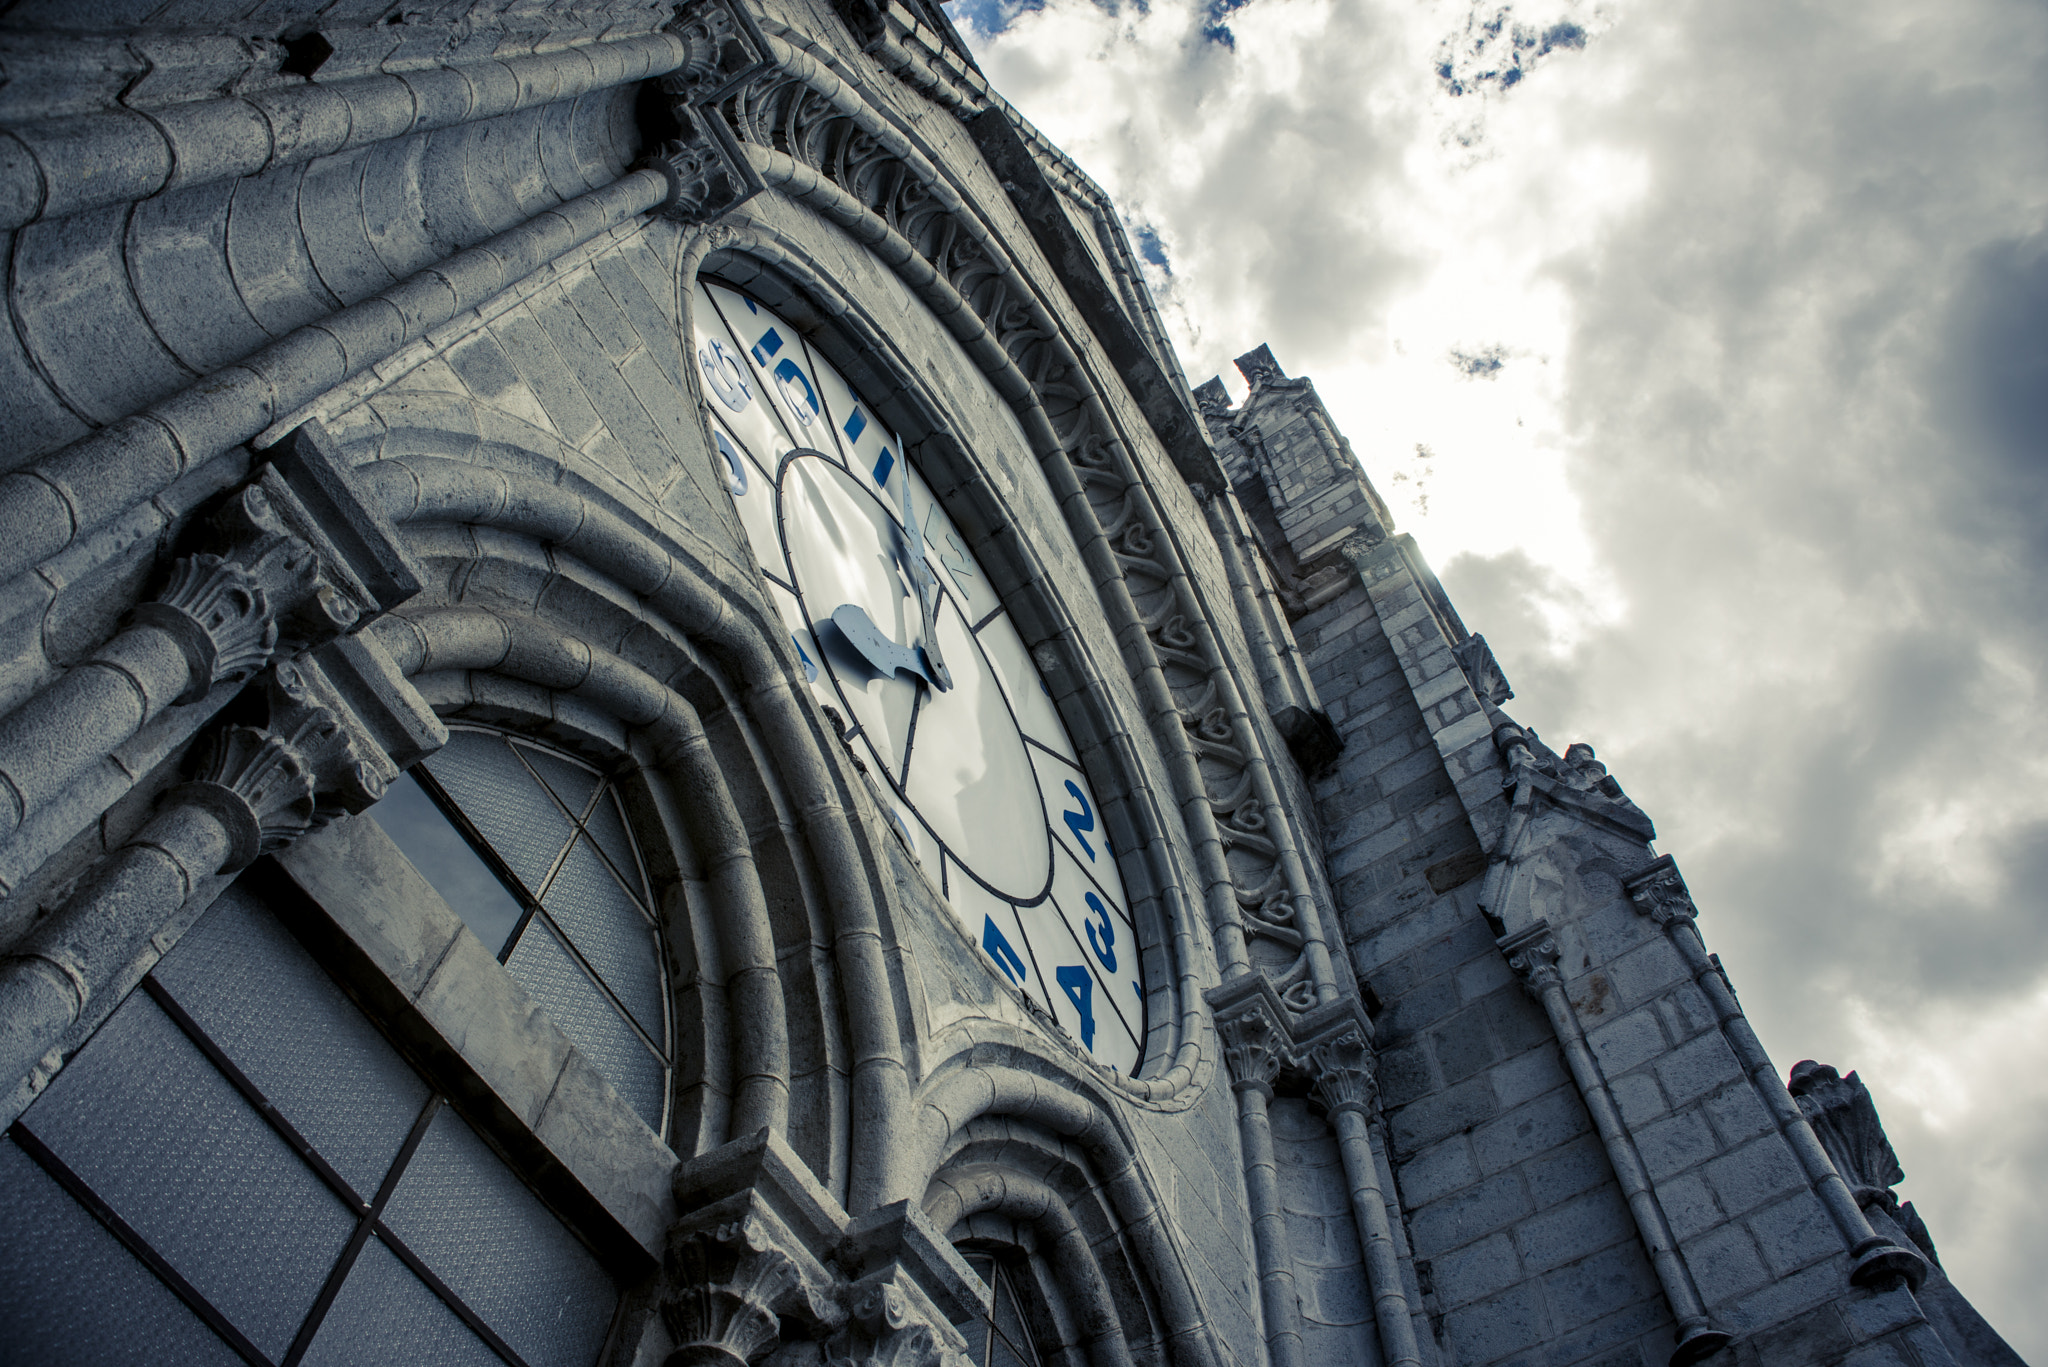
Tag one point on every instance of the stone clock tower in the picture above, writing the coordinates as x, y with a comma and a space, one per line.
642, 722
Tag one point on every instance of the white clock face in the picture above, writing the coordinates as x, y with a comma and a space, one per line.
903, 639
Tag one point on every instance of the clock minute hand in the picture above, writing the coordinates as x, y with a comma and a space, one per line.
924, 583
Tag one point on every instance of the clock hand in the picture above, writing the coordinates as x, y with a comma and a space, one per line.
883, 655
925, 584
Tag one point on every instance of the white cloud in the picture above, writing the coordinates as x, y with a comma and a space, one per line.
1754, 498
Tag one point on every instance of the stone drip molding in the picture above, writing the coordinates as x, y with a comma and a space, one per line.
811, 136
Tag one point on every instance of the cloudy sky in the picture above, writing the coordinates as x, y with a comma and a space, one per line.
1703, 344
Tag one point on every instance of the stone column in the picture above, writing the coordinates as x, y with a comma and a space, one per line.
1659, 892
253, 791
1250, 1019
1340, 1060
1532, 954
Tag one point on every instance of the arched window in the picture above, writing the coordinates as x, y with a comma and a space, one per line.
1002, 1340
531, 847
239, 1168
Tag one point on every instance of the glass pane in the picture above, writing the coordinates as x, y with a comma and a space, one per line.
1012, 1346
502, 800
148, 1123
497, 1247
69, 1292
446, 860
610, 932
590, 1021
249, 984
608, 825
385, 1314
572, 782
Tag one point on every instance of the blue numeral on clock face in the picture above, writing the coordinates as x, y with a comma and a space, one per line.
797, 391
1105, 946
1079, 985
1083, 820
999, 949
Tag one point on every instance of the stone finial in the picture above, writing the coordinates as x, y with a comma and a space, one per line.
1659, 892
1213, 399
1532, 954
1845, 1119
1258, 366
1482, 670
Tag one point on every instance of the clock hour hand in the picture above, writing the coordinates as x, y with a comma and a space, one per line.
925, 585
884, 656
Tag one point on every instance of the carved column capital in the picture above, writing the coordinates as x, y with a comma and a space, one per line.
1659, 892
1252, 1023
1344, 1072
1532, 954
892, 1323
723, 43
727, 1280
217, 613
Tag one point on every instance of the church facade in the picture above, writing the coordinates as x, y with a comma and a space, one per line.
643, 722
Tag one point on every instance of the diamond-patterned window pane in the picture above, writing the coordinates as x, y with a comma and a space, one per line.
589, 1019
608, 826
446, 859
386, 1314
259, 995
149, 1124
69, 1292
497, 1247
572, 783
498, 795
609, 930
